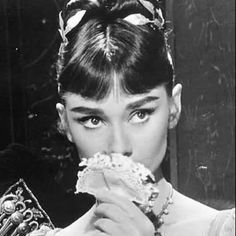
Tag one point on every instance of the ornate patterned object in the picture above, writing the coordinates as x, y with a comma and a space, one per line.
20, 212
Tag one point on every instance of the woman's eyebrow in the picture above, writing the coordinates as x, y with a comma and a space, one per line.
141, 102
87, 110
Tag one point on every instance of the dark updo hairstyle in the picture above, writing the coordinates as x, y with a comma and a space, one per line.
103, 44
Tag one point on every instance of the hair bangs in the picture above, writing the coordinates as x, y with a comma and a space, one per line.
102, 52
89, 82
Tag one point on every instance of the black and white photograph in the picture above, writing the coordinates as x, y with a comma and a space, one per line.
117, 118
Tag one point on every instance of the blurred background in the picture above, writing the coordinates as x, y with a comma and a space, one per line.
201, 157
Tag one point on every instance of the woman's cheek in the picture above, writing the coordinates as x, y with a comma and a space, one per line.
88, 142
150, 144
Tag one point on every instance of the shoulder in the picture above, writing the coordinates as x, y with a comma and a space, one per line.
193, 218
189, 208
223, 224
189, 217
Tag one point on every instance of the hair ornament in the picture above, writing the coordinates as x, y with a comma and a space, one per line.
148, 5
135, 19
71, 23
71, 2
156, 12
61, 29
139, 19
64, 29
74, 1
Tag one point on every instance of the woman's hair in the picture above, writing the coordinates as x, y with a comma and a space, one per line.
103, 44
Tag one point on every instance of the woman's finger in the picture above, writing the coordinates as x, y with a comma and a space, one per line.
111, 211
122, 202
107, 226
134, 219
97, 233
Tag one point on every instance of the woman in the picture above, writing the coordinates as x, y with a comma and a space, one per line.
115, 79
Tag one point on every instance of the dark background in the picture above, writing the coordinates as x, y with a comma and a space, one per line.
204, 51
205, 62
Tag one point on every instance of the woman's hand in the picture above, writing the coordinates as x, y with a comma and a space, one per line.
117, 216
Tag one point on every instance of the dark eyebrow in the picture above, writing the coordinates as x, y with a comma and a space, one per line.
99, 112
141, 102
88, 111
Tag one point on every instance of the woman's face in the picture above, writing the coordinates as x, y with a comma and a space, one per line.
133, 125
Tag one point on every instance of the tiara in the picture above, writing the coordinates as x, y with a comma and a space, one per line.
135, 19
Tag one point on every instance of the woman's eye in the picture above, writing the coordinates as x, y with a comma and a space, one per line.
140, 117
91, 122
